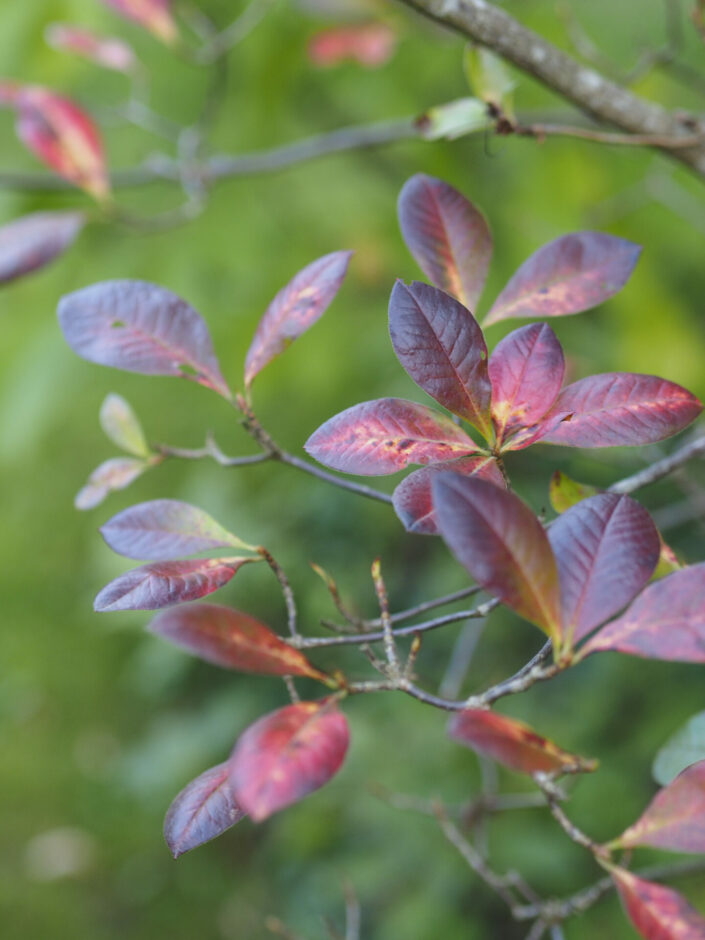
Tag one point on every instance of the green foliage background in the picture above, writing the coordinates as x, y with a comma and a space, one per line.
101, 724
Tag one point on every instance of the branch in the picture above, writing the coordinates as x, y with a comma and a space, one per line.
661, 468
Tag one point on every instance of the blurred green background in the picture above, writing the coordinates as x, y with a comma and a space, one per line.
101, 724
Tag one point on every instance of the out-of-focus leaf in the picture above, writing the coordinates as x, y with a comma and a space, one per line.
657, 912
503, 546
568, 275
31, 242
686, 747
413, 502
606, 548
114, 474
122, 427
286, 755
675, 818
368, 44
386, 435
454, 119
232, 639
165, 529
564, 492
622, 408
63, 136
9, 92
489, 78
204, 809
108, 52
166, 583
447, 235
666, 621
511, 743
140, 327
153, 15
526, 370
295, 308
439, 343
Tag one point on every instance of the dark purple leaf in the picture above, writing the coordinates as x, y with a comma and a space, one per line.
33, 241
204, 809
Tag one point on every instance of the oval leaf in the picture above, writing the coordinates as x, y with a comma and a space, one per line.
166, 583
526, 370
153, 15
140, 327
113, 474
386, 435
369, 44
122, 427
607, 547
204, 809
568, 275
686, 747
412, 499
563, 492
503, 546
666, 621
657, 912
109, 53
511, 743
296, 308
621, 408
447, 236
286, 755
33, 241
164, 529
442, 348
232, 639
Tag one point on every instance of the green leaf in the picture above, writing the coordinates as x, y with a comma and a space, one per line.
489, 78
454, 119
685, 747
122, 427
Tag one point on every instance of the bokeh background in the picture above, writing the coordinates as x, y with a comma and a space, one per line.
102, 724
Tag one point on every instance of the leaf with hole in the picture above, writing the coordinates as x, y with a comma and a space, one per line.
114, 474
204, 809
657, 912
33, 241
121, 425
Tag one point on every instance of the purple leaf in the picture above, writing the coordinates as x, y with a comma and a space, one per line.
204, 809
33, 241
113, 474
568, 275
140, 327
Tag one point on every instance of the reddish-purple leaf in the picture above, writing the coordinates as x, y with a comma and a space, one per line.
675, 818
165, 529
153, 15
32, 241
204, 809
113, 474
386, 435
286, 755
666, 621
368, 44
511, 742
412, 498
503, 546
442, 348
140, 327
526, 371
657, 912
525, 437
606, 548
166, 583
295, 308
622, 408
111, 53
447, 236
232, 639
568, 275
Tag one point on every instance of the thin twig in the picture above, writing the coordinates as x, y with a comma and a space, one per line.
286, 588
390, 648
661, 468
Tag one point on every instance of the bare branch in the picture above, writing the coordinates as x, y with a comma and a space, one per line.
661, 468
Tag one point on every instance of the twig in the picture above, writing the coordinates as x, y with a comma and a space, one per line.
287, 591
605, 137
661, 468
390, 648
352, 913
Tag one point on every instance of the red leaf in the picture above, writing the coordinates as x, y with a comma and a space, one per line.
369, 44
386, 435
503, 546
166, 583
140, 327
447, 236
442, 348
622, 408
526, 371
525, 437
606, 548
113, 474
164, 529
204, 809
666, 621
286, 755
32, 241
232, 639
154, 15
295, 308
111, 53
63, 137
657, 912
675, 818
511, 742
412, 498
568, 275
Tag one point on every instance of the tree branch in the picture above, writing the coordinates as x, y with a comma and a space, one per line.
661, 468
